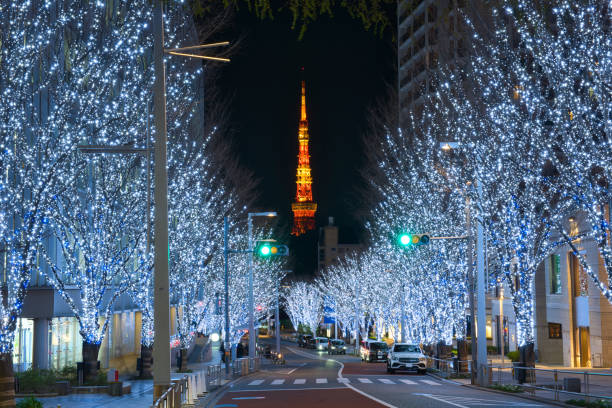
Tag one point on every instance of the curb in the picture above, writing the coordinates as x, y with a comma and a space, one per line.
520, 395
213, 396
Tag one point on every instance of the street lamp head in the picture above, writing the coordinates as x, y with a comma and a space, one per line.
263, 214
447, 146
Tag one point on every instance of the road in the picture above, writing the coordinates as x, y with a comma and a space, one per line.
312, 379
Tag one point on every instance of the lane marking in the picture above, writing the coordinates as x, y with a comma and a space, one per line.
373, 398
429, 382
247, 398
300, 381
277, 382
409, 382
344, 380
256, 382
385, 381
301, 365
292, 389
441, 400
321, 380
365, 380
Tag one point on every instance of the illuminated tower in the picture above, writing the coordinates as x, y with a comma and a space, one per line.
303, 208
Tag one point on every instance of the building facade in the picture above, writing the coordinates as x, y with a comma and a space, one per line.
329, 249
573, 320
428, 35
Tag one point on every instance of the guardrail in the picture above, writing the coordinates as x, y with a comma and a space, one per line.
449, 366
559, 384
175, 396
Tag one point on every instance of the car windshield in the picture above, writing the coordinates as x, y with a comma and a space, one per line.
406, 348
337, 342
322, 340
378, 346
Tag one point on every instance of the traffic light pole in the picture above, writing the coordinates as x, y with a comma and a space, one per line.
251, 301
228, 345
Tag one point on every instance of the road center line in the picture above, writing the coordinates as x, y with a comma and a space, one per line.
373, 398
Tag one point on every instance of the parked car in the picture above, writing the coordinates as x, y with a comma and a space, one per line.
321, 343
373, 351
404, 356
311, 343
302, 339
336, 346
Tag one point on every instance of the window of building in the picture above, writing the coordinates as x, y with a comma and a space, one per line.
555, 274
554, 331
321, 254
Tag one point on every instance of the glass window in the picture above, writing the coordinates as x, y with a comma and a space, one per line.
554, 331
406, 348
378, 346
555, 274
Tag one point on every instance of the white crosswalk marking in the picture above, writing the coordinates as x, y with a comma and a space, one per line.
429, 382
385, 381
256, 382
344, 380
277, 382
409, 382
321, 380
300, 381
364, 381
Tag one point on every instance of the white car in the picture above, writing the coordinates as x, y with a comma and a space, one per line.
321, 343
404, 356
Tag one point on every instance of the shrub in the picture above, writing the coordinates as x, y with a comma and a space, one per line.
591, 404
507, 388
514, 356
36, 381
29, 402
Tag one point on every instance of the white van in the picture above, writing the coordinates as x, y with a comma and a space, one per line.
321, 343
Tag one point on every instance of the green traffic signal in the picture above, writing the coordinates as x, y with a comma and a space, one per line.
405, 239
269, 248
413, 239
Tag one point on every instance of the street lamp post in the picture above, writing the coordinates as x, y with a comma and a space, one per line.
480, 332
251, 301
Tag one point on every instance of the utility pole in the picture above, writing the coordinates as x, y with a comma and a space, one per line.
227, 320
161, 294
481, 293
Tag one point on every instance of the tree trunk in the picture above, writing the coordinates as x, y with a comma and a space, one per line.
462, 356
90, 361
146, 361
527, 359
7, 381
182, 365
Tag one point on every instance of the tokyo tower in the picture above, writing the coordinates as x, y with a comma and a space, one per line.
304, 207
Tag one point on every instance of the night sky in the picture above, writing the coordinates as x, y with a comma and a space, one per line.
346, 69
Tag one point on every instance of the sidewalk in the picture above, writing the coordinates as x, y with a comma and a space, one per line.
142, 390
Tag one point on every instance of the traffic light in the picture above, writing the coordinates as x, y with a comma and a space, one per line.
268, 248
406, 239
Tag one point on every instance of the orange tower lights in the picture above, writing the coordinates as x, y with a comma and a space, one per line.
304, 207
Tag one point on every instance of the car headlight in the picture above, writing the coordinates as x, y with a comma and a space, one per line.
344, 347
333, 348
422, 360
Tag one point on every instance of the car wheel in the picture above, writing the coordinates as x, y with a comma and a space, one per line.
422, 372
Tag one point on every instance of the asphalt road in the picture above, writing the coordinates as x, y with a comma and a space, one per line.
312, 379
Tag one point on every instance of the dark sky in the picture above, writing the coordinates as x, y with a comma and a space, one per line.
345, 72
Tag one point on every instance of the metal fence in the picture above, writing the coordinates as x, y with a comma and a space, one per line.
187, 390
581, 383
175, 396
585, 384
